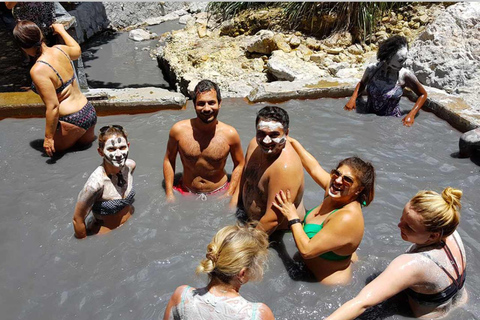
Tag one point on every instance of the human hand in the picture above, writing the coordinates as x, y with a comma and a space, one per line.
283, 202
49, 146
57, 28
350, 105
408, 120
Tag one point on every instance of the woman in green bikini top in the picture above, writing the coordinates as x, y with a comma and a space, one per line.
332, 231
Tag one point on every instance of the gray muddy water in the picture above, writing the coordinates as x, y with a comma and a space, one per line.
131, 272
112, 60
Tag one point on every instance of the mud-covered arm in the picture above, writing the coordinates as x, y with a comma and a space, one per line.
91, 192
314, 169
351, 104
412, 82
289, 178
403, 272
238, 162
169, 162
40, 74
174, 300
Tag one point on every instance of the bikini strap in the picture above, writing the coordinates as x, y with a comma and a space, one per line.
452, 259
441, 267
66, 55
48, 64
460, 249
71, 62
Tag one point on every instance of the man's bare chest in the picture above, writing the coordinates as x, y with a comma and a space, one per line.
213, 150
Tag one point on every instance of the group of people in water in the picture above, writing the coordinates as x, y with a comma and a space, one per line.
266, 187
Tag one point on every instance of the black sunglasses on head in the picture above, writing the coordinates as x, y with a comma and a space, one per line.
105, 128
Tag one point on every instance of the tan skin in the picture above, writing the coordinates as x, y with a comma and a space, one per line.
263, 177
109, 222
411, 270
406, 79
220, 289
69, 101
204, 144
342, 231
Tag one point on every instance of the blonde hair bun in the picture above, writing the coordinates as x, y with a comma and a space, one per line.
452, 197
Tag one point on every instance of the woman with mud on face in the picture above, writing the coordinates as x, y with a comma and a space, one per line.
236, 255
332, 231
70, 117
432, 271
385, 81
108, 192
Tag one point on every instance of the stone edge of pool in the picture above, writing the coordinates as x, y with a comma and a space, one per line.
106, 102
448, 107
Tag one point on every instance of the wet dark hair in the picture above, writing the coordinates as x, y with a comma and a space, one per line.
108, 131
28, 35
205, 86
389, 47
273, 113
365, 172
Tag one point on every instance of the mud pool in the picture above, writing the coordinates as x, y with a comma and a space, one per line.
112, 60
130, 273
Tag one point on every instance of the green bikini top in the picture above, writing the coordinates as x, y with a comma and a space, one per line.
311, 229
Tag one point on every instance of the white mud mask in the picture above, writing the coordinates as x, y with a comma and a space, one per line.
271, 127
116, 151
397, 61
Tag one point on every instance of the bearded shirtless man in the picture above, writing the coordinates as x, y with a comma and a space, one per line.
271, 165
204, 144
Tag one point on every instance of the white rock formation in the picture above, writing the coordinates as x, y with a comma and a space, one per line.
141, 35
288, 66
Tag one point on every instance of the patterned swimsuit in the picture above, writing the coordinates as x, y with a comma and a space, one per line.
384, 96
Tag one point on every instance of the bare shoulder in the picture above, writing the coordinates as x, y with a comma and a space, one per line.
177, 294
290, 159
265, 312
228, 130
180, 127
131, 164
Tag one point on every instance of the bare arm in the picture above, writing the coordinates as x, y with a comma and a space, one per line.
174, 300
46, 89
71, 47
402, 273
87, 197
238, 159
341, 229
265, 312
314, 169
287, 177
412, 82
169, 163
351, 104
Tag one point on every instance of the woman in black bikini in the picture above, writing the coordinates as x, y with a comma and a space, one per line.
108, 192
70, 118
432, 271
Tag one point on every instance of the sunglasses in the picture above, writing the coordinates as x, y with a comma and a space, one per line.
105, 128
346, 179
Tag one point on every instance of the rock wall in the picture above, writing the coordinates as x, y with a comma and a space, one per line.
447, 54
124, 14
91, 18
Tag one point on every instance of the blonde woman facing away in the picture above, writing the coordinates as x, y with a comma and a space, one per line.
432, 271
236, 255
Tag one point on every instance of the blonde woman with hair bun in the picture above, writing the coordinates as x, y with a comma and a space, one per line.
432, 271
236, 255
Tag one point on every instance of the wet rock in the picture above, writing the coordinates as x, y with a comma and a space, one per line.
284, 66
469, 142
141, 35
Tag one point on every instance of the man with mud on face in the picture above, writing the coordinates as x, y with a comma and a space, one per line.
204, 144
271, 165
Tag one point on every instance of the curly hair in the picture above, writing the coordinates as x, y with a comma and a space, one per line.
389, 47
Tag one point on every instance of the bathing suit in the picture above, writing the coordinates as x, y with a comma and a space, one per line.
311, 229
450, 291
64, 84
383, 98
84, 118
201, 304
201, 195
110, 207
